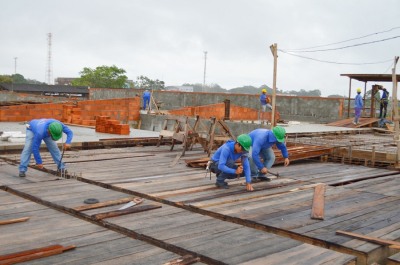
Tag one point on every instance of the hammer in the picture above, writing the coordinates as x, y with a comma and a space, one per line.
275, 174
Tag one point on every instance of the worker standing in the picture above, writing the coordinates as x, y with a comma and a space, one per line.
146, 99
50, 131
384, 103
223, 162
265, 103
358, 105
262, 142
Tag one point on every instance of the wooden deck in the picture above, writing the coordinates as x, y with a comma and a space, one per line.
185, 214
363, 122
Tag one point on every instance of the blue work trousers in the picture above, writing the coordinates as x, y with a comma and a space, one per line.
268, 158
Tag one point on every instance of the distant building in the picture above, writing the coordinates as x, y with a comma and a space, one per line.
64, 81
48, 90
179, 88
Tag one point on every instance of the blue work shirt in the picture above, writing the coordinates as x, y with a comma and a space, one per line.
358, 102
263, 99
39, 128
264, 139
385, 96
226, 153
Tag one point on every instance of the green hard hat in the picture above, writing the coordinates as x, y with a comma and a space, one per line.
245, 141
279, 133
55, 129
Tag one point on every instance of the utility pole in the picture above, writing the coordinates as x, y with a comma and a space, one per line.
396, 110
205, 64
49, 70
15, 65
274, 50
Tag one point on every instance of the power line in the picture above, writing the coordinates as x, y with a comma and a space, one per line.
349, 46
331, 62
357, 38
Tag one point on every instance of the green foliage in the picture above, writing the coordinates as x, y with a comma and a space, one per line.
18, 79
143, 82
102, 77
5, 79
302, 92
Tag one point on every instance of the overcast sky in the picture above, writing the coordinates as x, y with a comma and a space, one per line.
166, 40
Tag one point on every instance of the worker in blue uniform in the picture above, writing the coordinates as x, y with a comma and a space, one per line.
383, 104
223, 162
49, 131
146, 99
262, 142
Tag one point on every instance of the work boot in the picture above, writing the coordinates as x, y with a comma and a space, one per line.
222, 185
22, 174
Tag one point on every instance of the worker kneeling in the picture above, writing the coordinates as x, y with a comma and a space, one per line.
223, 162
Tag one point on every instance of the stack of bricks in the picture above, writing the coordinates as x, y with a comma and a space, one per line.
105, 125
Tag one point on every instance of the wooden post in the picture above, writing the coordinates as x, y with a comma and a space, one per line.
274, 50
396, 110
348, 101
227, 109
373, 156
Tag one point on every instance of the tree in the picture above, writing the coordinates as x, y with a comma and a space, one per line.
102, 77
18, 79
5, 79
143, 82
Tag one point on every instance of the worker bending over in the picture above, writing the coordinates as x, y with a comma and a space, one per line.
262, 142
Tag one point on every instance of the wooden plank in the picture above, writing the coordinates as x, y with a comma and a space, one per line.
185, 260
318, 205
116, 213
36, 255
12, 221
370, 239
28, 252
102, 204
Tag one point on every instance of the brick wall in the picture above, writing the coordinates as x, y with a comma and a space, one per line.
83, 112
237, 113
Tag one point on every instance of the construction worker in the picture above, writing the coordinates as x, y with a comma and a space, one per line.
262, 142
223, 162
265, 102
358, 105
384, 103
146, 99
50, 131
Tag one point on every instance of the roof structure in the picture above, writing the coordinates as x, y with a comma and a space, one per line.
372, 77
368, 78
55, 90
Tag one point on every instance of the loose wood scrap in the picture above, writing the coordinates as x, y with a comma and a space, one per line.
198, 162
33, 254
102, 204
390, 243
116, 213
12, 221
318, 205
185, 260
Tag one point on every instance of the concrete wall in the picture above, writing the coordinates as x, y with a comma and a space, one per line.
311, 109
155, 123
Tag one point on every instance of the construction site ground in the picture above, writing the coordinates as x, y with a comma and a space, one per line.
185, 219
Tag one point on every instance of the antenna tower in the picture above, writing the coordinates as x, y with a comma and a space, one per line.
49, 70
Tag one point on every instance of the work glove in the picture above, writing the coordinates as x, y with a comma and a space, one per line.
40, 166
